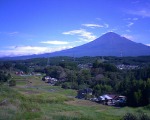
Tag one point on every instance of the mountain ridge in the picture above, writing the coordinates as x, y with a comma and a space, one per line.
109, 44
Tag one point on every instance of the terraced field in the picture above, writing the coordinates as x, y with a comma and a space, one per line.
32, 99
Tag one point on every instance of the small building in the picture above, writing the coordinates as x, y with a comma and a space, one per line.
127, 67
19, 73
50, 80
120, 101
113, 100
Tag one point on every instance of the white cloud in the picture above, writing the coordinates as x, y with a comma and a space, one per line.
92, 25
128, 30
29, 50
126, 19
135, 19
96, 25
130, 24
131, 19
130, 37
82, 33
106, 25
98, 19
148, 44
13, 33
142, 12
55, 42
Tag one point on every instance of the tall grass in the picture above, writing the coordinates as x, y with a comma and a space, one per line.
26, 106
40, 104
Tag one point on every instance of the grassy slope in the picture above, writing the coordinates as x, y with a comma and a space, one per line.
32, 99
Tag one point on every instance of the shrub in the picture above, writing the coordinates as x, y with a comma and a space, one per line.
12, 83
144, 117
130, 116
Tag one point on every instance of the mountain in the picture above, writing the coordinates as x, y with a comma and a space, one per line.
109, 44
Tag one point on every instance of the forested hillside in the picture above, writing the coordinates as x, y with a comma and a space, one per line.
101, 74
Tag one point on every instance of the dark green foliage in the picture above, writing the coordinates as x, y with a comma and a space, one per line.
136, 92
70, 85
4, 77
141, 116
84, 77
144, 117
69, 65
100, 89
7, 65
105, 66
55, 72
130, 116
22, 67
71, 76
12, 83
66, 85
71, 118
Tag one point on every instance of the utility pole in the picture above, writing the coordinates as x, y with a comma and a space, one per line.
48, 61
121, 54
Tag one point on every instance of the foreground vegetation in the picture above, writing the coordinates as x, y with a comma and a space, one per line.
37, 100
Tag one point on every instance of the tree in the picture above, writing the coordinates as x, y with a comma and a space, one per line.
84, 76
22, 67
137, 97
148, 90
55, 72
71, 76
4, 77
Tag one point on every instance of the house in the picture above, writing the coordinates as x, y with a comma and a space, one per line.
120, 101
105, 99
127, 67
50, 80
113, 100
94, 99
82, 94
85, 66
19, 73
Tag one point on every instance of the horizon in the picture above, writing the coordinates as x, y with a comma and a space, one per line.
36, 27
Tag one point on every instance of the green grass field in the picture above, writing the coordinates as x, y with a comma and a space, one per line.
32, 99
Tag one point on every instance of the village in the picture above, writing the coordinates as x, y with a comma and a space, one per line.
87, 94
105, 99
91, 81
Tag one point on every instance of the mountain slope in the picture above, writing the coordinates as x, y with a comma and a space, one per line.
110, 44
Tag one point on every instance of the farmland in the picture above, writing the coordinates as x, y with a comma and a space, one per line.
32, 99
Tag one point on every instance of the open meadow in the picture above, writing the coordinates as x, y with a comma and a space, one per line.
33, 99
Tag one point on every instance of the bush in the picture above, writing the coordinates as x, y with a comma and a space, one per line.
144, 117
12, 83
130, 116
66, 86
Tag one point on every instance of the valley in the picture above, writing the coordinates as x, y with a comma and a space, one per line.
25, 95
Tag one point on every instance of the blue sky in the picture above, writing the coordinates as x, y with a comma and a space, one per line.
42, 26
